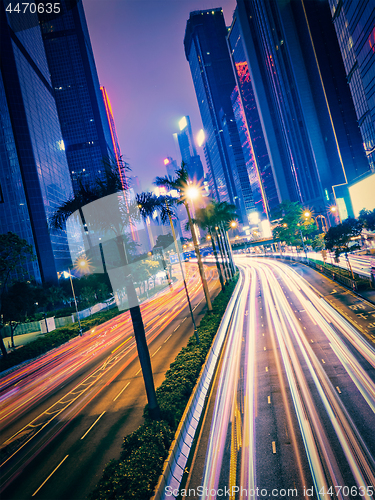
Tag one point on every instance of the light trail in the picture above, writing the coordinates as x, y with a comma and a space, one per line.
24, 388
291, 313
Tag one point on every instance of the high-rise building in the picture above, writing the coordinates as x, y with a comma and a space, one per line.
188, 151
207, 53
171, 166
80, 104
120, 163
34, 174
266, 190
305, 113
354, 22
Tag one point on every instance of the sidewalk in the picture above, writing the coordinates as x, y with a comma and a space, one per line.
20, 340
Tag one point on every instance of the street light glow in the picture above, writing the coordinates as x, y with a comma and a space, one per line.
200, 137
192, 192
233, 224
307, 214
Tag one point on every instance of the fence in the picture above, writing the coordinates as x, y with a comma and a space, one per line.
38, 326
175, 464
360, 283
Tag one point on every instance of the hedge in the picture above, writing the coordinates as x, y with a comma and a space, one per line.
54, 339
135, 474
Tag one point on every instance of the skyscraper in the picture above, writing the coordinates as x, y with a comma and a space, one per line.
171, 166
34, 174
304, 111
267, 192
188, 150
207, 53
354, 22
80, 104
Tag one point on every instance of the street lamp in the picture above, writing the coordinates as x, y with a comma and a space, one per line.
182, 272
75, 302
192, 192
303, 243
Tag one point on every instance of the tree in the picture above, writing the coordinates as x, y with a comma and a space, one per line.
180, 184
341, 238
164, 240
205, 219
54, 295
292, 226
117, 215
18, 304
224, 214
367, 218
14, 252
318, 242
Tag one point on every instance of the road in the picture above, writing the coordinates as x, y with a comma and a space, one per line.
361, 264
293, 402
63, 416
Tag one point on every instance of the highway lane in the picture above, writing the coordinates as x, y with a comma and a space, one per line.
294, 407
361, 264
90, 387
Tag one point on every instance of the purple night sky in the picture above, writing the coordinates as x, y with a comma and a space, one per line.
140, 59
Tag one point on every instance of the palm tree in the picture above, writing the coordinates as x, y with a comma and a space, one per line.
204, 218
224, 214
148, 203
118, 218
180, 184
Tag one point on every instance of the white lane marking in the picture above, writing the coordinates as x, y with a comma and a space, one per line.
122, 390
156, 351
177, 327
139, 371
167, 338
273, 447
85, 434
44, 482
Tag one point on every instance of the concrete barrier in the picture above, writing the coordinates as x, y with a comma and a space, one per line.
176, 461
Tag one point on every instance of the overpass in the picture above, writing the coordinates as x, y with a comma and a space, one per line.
242, 244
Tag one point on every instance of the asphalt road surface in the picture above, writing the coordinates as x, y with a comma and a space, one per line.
292, 411
63, 416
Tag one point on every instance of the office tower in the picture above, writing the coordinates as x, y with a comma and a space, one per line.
188, 151
302, 108
34, 174
267, 192
121, 164
171, 166
80, 105
207, 53
354, 22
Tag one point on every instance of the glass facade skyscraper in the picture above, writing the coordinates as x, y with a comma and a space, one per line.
34, 174
354, 22
79, 100
261, 174
188, 150
305, 111
207, 53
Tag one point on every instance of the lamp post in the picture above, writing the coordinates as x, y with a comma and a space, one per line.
182, 273
303, 243
75, 302
192, 192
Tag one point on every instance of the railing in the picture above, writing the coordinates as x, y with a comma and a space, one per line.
176, 461
359, 283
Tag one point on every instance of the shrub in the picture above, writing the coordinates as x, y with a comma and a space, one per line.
135, 475
54, 339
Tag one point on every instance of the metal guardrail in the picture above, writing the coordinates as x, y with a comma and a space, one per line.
355, 285
176, 461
